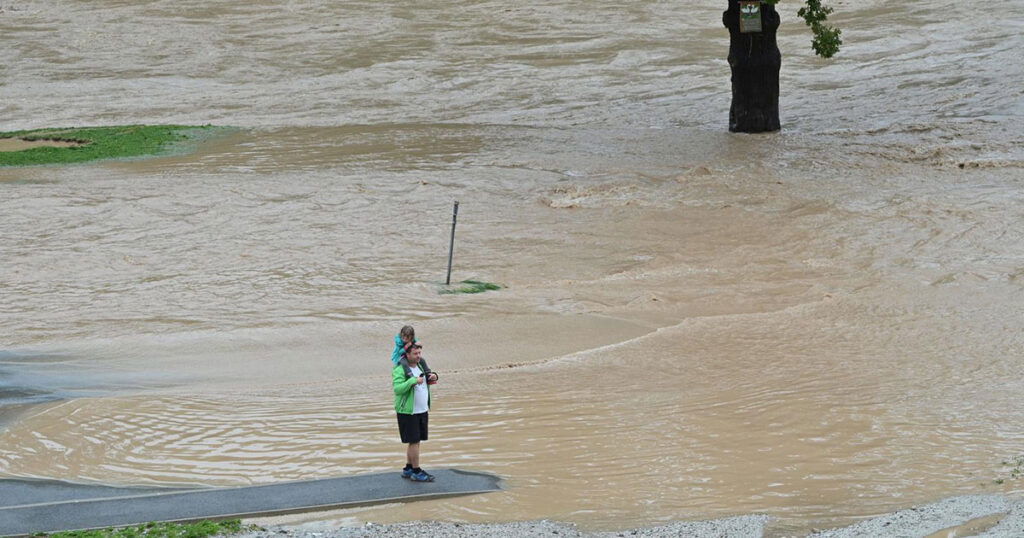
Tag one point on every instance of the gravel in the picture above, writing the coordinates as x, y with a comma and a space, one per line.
987, 516
739, 527
1011, 525
932, 518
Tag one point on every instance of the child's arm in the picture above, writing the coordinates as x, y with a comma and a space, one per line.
396, 354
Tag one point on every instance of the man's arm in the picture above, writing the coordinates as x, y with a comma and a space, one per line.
401, 383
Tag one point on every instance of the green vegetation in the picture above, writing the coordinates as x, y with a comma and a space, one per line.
470, 286
199, 529
120, 142
827, 38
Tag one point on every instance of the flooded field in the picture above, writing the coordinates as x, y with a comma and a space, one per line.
818, 324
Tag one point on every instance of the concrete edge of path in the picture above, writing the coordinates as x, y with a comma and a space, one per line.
26, 491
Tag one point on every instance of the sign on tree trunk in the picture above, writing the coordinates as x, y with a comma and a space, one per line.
750, 17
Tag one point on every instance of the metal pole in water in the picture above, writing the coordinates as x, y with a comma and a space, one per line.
451, 244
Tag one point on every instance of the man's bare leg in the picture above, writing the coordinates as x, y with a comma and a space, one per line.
412, 455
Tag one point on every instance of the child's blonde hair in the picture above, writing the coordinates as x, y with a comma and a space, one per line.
408, 334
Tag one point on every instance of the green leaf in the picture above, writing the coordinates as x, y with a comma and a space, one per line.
827, 39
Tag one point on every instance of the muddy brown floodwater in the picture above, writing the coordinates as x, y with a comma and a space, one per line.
818, 324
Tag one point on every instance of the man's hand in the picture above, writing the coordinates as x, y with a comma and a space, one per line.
419, 380
432, 377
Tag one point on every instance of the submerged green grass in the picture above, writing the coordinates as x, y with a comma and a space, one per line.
470, 286
201, 529
120, 142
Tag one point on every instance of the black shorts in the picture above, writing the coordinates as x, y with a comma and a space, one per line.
412, 428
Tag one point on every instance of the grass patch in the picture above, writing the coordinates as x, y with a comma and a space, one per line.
120, 142
470, 286
199, 529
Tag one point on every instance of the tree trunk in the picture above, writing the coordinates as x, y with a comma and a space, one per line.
755, 61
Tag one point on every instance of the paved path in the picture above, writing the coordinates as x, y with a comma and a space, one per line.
21, 492
28, 507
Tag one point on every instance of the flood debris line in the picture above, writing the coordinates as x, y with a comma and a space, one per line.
83, 144
1014, 468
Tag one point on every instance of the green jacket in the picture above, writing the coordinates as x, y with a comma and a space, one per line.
404, 386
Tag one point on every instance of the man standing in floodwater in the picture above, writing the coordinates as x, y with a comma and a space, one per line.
412, 403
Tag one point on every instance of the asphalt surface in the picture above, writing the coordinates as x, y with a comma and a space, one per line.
28, 507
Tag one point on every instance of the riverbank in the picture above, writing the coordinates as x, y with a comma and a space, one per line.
988, 516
